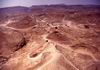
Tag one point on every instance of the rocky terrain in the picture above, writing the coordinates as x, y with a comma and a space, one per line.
50, 37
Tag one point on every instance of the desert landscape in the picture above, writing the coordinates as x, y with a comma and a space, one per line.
50, 37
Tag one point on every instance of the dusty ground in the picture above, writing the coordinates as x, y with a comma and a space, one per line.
55, 39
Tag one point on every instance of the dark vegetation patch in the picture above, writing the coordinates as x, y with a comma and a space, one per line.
86, 26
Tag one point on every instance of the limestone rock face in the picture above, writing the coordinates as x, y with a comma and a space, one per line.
51, 39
